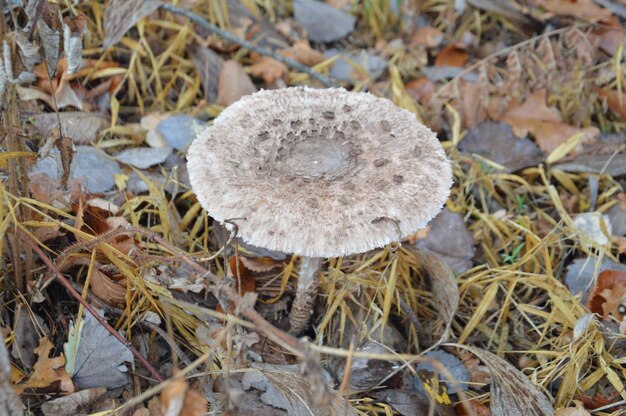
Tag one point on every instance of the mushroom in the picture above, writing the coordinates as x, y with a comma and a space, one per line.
319, 173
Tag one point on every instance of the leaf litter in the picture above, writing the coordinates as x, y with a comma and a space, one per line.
528, 102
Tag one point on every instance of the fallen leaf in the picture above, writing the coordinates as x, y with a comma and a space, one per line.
121, 15
617, 215
475, 409
543, 122
581, 274
585, 10
614, 165
614, 99
405, 402
452, 55
27, 335
178, 130
107, 289
144, 157
94, 357
455, 378
72, 404
355, 65
421, 89
610, 38
178, 399
245, 281
285, 389
534, 108
496, 142
233, 83
73, 29
82, 127
269, 69
302, 52
48, 371
427, 36
449, 237
512, 394
606, 298
443, 286
48, 190
322, 22
90, 165
469, 103
503, 8
208, 65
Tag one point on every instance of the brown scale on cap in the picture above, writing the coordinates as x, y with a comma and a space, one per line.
303, 166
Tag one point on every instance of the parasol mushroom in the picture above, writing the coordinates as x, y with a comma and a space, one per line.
319, 173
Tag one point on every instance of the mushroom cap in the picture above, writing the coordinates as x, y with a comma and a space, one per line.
319, 172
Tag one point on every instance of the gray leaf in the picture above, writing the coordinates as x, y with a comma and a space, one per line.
99, 357
322, 22
144, 157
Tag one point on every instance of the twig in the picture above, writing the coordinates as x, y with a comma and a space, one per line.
248, 45
68, 286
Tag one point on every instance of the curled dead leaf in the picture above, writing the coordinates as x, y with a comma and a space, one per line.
107, 289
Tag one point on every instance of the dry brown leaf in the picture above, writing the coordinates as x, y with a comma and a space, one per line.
475, 409
49, 191
421, 89
469, 103
177, 399
585, 10
533, 108
261, 264
108, 290
95, 220
241, 274
302, 52
427, 36
48, 371
543, 122
451, 55
606, 298
610, 38
233, 83
615, 100
269, 69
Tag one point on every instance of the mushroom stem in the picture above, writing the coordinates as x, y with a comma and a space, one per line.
308, 285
